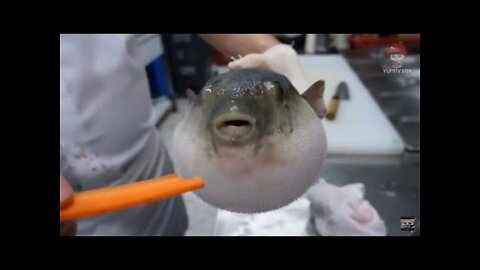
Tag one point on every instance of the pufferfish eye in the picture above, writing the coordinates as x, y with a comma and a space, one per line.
264, 89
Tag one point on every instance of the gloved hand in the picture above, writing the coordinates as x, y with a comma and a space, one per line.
281, 58
68, 228
343, 211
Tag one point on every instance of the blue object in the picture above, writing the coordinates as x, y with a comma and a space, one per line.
157, 78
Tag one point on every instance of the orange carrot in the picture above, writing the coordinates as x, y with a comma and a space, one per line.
104, 200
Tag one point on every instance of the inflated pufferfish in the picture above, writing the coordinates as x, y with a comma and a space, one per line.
257, 143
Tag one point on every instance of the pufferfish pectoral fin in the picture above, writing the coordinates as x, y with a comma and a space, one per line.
314, 97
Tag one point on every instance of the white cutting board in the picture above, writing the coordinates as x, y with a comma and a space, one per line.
360, 126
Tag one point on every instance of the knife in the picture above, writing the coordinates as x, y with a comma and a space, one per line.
341, 93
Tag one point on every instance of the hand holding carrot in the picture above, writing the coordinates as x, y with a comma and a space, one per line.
109, 199
67, 228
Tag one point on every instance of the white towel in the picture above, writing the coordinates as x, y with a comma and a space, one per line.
343, 211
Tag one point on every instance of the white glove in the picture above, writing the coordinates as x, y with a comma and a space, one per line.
342, 211
281, 58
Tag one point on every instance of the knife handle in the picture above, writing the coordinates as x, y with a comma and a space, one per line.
332, 108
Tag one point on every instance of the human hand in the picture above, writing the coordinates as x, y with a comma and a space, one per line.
67, 228
280, 58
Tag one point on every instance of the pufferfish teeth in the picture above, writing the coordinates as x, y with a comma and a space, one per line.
235, 59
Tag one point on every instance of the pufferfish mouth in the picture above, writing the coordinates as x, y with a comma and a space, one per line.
234, 127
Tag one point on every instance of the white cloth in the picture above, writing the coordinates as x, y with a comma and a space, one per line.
325, 210
343, 211
107, 131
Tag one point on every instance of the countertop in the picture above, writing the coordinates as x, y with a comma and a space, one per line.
392, 184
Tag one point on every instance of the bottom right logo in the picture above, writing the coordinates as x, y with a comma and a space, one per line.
407, 224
